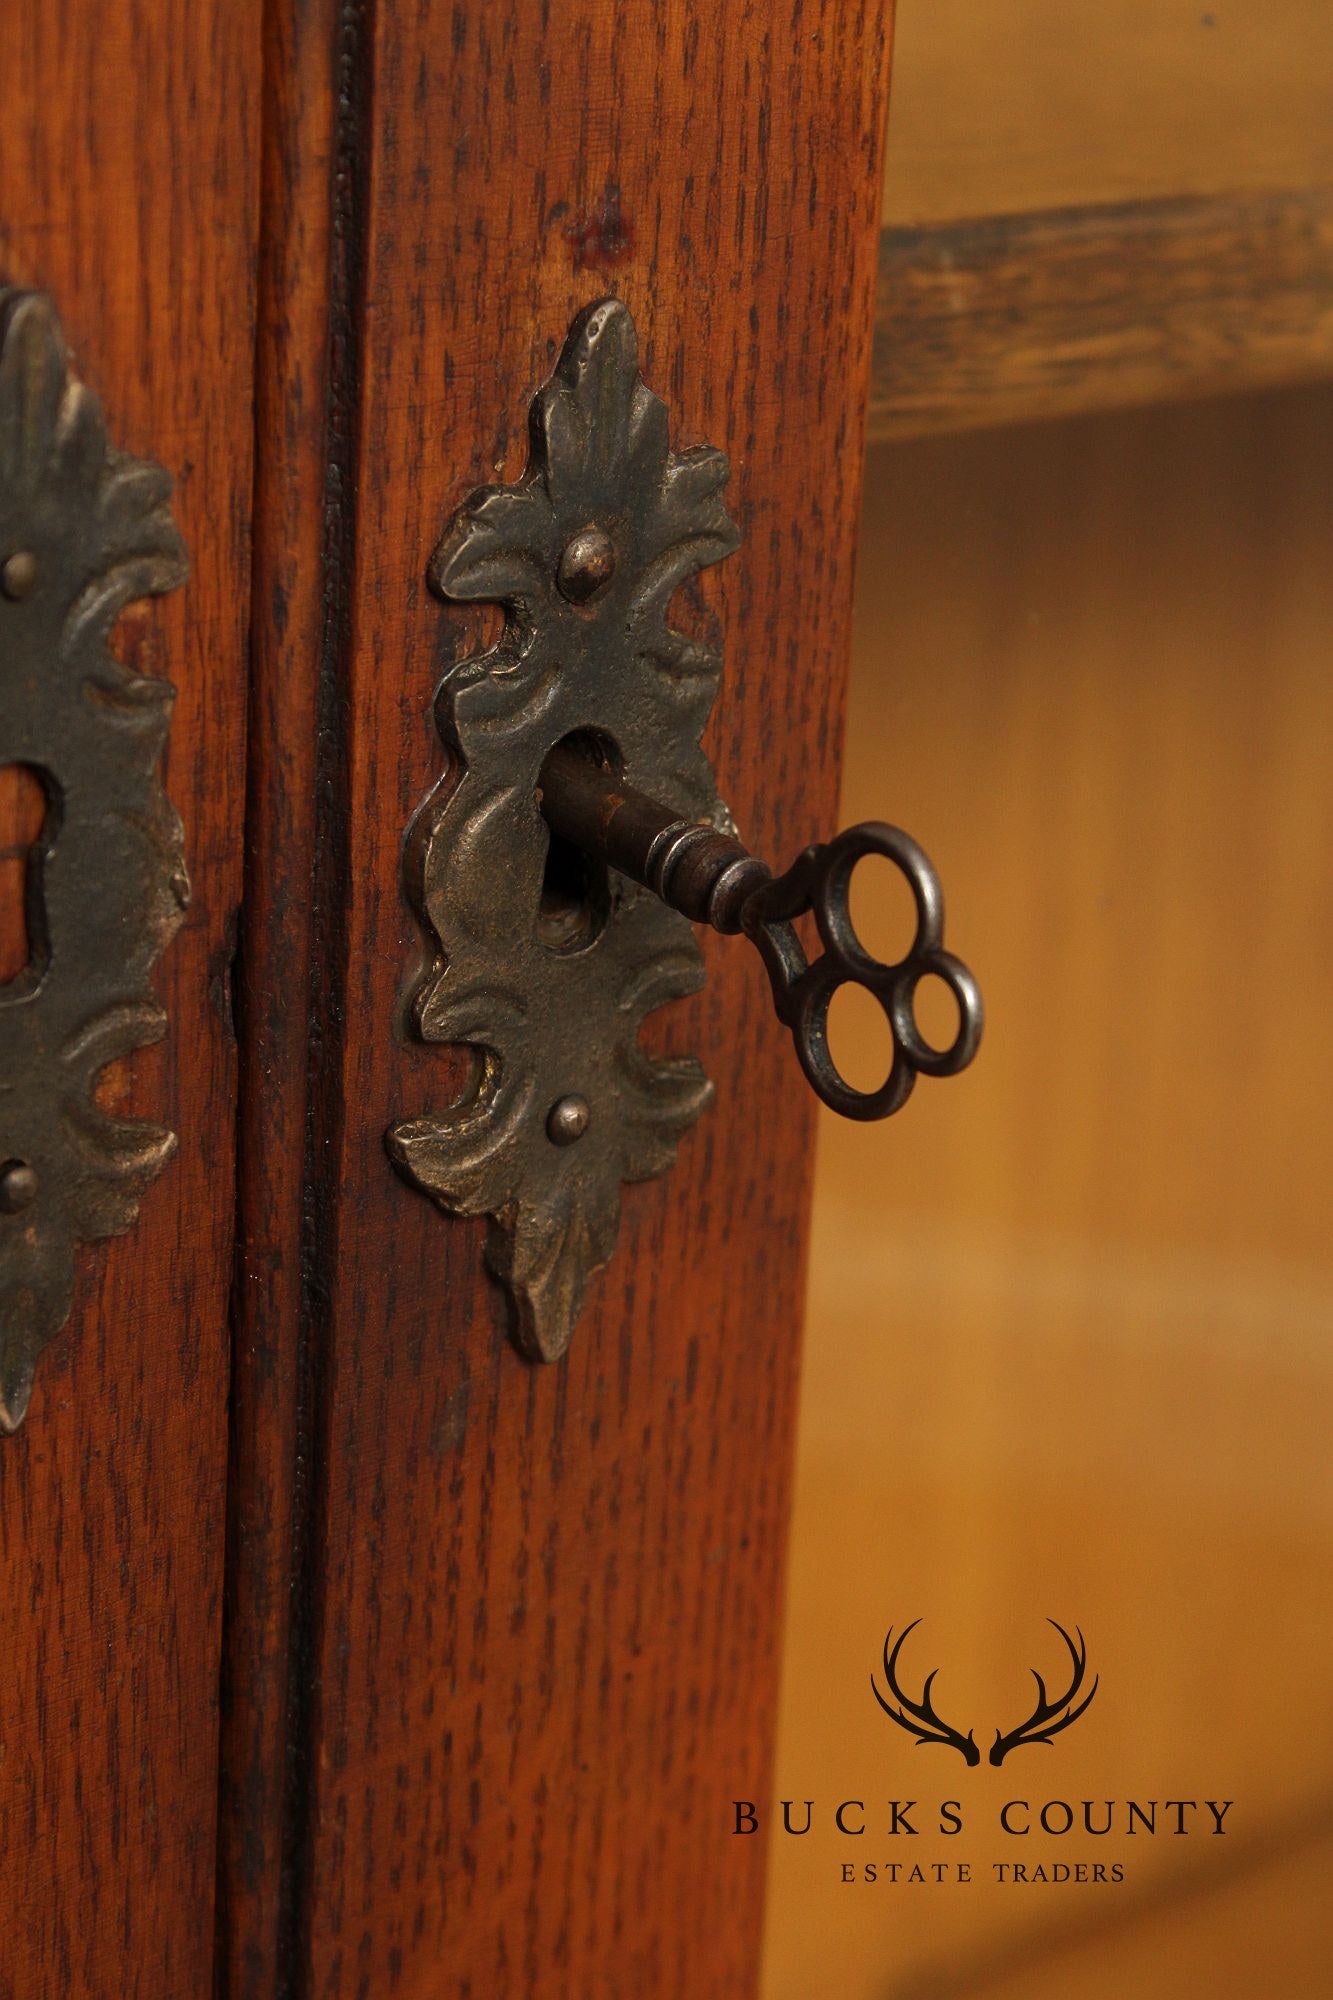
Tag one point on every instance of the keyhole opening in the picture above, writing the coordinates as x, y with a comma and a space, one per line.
28, 819
576, 888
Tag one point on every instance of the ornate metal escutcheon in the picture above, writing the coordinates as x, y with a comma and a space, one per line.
558, 865
84, 531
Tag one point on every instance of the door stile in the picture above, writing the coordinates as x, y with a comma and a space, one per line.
289, 968
129, 195
504, 1638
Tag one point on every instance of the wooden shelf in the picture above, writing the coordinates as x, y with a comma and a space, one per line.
1009, 317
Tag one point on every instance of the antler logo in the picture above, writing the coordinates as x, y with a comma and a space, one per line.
920, 1719
1048, 1718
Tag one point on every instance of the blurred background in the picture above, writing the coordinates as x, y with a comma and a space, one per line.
1070, 1341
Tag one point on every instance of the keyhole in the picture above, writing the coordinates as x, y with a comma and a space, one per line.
568, 917
576, 890
27, 824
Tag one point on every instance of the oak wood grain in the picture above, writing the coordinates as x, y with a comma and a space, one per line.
128, 192
1000, 318
538, 1608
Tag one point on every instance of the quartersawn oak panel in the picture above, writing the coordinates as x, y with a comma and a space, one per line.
538, 1642
127, 191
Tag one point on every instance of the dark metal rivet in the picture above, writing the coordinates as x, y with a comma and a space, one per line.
567, 1120
588, 562
18, 574
18, 1186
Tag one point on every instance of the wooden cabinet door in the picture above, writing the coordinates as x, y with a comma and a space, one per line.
502, 1634
345, 1650
129, 134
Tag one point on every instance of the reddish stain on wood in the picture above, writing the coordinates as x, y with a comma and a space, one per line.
602, 236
